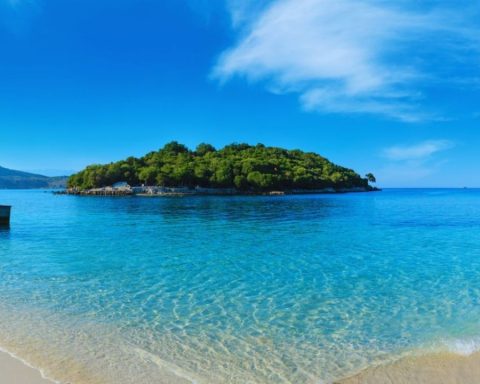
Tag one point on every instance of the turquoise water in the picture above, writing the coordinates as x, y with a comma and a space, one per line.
289, 289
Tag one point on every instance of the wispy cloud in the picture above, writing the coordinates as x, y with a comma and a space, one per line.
407, 165
241, 11
346, 56
419, 151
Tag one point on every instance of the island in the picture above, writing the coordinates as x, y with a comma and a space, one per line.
234, 169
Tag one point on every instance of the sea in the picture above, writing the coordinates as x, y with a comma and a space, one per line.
237, 289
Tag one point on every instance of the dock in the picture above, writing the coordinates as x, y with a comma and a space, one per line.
5, 215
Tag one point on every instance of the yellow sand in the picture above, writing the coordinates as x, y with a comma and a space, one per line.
441, 368
13, 371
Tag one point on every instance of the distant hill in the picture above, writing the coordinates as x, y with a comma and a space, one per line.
11, 179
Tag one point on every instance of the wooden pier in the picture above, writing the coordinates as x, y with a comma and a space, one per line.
5, 215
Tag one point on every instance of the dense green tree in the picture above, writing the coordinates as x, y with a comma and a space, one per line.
148, 175
371, 178
241, 166
202, 149
174, 148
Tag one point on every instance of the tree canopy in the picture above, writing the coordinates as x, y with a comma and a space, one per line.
241, 166
370, 178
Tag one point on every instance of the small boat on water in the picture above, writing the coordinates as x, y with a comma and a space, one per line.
5, 214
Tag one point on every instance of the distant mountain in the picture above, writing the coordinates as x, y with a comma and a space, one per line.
11, 179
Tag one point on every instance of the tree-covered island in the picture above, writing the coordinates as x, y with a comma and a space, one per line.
242, 167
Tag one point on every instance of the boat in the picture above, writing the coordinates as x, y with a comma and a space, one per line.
5, 214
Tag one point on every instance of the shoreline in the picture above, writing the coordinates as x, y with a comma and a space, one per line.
431, 368
181, 192
14, 370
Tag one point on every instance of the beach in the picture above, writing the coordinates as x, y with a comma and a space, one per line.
437, 368
14, 371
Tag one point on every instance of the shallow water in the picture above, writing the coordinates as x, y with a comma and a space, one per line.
292, 289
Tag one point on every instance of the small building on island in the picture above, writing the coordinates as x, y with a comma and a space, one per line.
121, 185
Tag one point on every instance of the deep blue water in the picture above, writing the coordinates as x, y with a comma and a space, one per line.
289, 289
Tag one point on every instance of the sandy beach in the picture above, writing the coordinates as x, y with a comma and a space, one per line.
14, 371
441, 368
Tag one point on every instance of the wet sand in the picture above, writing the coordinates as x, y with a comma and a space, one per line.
14, 371
441, 368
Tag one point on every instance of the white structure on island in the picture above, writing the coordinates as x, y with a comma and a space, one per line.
121, 185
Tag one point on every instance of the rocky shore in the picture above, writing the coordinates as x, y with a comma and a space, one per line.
150, 191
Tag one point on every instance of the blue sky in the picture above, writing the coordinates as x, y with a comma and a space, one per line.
387, 87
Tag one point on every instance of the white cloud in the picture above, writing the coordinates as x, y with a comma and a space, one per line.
343, 55
420, 151
407, 165
241, 10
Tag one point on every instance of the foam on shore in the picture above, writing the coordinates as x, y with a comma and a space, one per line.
16, 370
451, 362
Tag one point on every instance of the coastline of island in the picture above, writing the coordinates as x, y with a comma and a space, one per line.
159, 191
